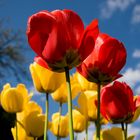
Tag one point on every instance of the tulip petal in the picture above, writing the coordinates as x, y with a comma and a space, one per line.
39, 27
88, 39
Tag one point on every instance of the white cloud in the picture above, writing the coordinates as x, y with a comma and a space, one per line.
136, 53
131, 76
111, 6
136, 15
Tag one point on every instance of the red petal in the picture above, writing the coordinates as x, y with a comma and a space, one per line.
41, 62
39, 27
88, 39
68, 33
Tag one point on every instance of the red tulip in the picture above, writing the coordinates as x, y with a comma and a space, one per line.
105, 61
117, 102
56, 37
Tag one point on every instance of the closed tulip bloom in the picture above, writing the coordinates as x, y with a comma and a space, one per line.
32, 119
59, 123
34, 124
115, 133
87, 106
84, 83
56, 37
21, 133
105, 61
14, 99
117, 103
79, 121
30, 107
86, 101
61, 94
45, 80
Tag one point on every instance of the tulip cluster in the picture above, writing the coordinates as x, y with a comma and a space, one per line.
61, 43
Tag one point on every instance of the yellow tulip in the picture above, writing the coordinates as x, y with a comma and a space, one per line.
86, 101
32, 119
84, 83
61, 94
34, 124
45, 80
14, 100
21, 133
59, 123
79, 121
30, 107
115, 133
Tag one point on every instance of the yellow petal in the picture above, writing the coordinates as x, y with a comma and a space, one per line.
84, 83
34, 124
62, 123
136, 114
79, 121
35, 78
21, 133
131, 137
61, 94
115, 133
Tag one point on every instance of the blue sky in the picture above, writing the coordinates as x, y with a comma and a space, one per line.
118, 18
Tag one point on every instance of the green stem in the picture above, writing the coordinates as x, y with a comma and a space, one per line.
16, 128
124, 132
87, 130
46, 117
69, 103
98, 125
60, 112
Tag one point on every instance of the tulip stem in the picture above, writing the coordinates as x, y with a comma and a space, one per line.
60, 112
69, 103
98, 126
16, 128
87, 130
124, 132
46, 117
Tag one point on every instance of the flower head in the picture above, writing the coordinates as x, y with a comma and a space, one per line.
14, 99
105, 61
61, 94
117, 102
45, 80
59, 123
32, 120
79, 121
57, 37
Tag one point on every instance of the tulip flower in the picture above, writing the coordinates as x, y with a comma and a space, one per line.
84, 83
57, 37
61, 94
59, 123
79, 121
105, 61
32, 120
87, 105
45, 80
21, 133
14, 100
117, 102
115, 133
